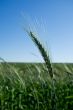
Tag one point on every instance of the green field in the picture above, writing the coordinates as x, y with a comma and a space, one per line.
36, 86
29, 87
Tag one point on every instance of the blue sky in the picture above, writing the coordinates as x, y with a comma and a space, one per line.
53, 21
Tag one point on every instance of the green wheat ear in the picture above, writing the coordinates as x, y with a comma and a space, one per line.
43, 53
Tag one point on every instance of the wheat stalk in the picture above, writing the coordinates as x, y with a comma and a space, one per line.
43, 52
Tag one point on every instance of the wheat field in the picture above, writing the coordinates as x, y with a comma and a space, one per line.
36, 86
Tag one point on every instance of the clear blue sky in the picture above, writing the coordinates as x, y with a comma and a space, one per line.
54, 25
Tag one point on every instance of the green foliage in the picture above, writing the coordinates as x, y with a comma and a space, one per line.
34, 91
36, 86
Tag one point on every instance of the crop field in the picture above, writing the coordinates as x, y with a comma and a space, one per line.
36, 54
29, 87
36, 86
